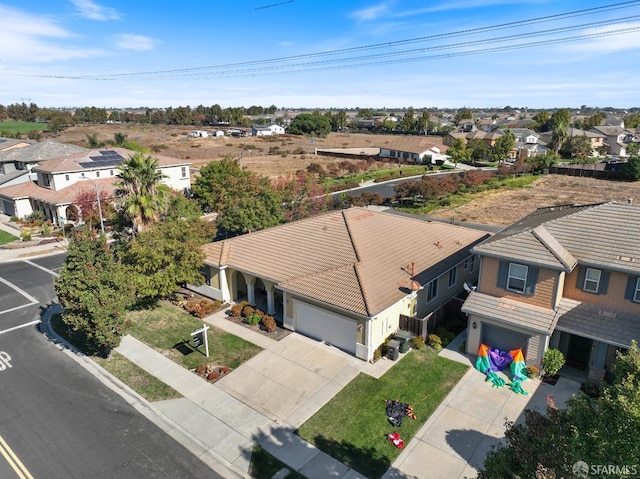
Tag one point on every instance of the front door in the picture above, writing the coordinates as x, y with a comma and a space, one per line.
579, 351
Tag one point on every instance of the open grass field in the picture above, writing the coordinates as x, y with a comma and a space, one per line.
20, 127
353, 426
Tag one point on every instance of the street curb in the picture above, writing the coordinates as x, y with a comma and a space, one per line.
200, 450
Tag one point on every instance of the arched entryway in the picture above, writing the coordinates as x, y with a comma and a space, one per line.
238, 286
71, 213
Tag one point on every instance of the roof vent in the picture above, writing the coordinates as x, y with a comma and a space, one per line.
630, 201
625, 258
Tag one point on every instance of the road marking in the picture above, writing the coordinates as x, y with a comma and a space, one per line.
13, 461
20, 326
35, 265
5, 361
22, 292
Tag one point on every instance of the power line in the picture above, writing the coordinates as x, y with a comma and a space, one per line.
271, 65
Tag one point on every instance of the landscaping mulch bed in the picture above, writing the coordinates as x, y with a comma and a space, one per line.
278, 334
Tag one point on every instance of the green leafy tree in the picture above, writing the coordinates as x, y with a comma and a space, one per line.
310, 124
633, 149
632, 120
594, 120
479, 149
167, 255
459, 152
631, 169
560, 118
577, 147
142, 198
541, 121
503, 146
463, 114
593, 430
408, 122
218, 181
538, 163
95, 291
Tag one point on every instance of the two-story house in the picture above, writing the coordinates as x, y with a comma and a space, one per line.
345, 277
565, 277
59, 181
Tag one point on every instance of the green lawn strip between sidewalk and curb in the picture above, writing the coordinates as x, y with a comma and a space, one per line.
353, 426
148, 386
6, 238
168, 329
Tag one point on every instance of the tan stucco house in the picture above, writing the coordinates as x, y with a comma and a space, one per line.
345, 277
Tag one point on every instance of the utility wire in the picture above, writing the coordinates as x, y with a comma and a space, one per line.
267, 65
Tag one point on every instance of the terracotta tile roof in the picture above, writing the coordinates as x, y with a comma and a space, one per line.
411, 144
64, 196
603, 235
71, 163
355, 259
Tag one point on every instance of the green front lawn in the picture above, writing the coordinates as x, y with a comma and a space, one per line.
6, 237
168, 329
353, 426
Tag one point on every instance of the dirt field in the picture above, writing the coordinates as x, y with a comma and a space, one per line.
253, 151
491, 208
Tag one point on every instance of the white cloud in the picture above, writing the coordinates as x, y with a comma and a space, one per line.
29, 39
371, 13
462, 5
286, 44
93, 11
609, 43
131, 41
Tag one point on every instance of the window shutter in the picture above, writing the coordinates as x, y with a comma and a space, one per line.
582, 272
604, 282
532, 280
631, 288
503, 271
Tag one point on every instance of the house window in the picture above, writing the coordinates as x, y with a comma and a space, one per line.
184, 171
432, 290
46, 180
636, 293
66, 177
592, 280
453, 273
97, 174
111, 172
517, 278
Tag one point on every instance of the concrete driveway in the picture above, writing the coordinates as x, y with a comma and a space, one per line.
291, 380
456, 438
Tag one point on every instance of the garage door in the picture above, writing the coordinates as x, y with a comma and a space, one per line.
8, 208
326, 326
503, 339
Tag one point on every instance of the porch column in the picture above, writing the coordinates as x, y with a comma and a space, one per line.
224, 284
271, 307
251, 290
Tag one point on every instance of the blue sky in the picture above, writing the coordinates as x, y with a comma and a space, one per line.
308, 53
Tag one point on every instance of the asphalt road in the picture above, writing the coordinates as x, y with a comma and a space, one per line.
56, 419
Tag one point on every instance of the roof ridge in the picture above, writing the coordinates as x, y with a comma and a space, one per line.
547, 239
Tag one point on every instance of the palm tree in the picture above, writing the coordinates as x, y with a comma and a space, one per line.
142, 197
558, 137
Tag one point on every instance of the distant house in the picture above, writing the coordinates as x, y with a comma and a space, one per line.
617, 138
267, 130
11, 143
58, 180
528, 144
412, 150
561, 277
489, 138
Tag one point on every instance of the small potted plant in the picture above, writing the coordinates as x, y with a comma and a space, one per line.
532, 372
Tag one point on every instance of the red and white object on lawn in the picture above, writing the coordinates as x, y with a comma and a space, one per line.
396, 440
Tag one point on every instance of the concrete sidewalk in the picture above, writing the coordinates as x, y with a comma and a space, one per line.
28, 249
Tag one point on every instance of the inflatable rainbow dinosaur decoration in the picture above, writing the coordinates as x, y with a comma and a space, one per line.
491, 360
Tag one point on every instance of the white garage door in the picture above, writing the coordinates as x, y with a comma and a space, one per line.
324, 325
503, 339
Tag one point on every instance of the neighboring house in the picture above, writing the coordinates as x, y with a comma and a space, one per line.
16, 163
489, 138
528, 144
11, 143
596, 138
267, 130
617, 138
565, 277
59, 181
466, 126
411, 149
344, 277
